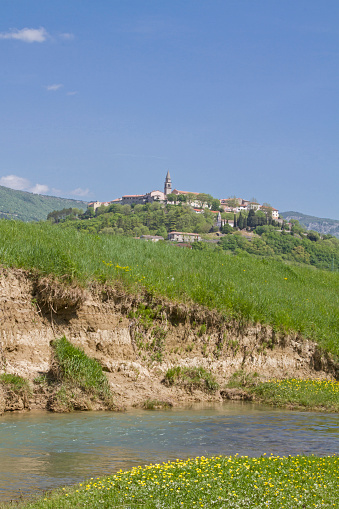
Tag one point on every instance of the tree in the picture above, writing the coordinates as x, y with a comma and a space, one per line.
89, 212
240, 222
215, 205
261, 218
190, 198
232, 201
314, 236
182, 198
251, 219
162, 232
204, 199
172, 198
226, 229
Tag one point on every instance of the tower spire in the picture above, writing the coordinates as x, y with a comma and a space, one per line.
168, 184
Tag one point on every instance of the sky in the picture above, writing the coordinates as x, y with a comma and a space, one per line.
233, 97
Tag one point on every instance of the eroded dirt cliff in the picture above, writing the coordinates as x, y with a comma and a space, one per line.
137, 338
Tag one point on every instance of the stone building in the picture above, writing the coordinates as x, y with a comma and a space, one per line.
168, 184
184, 237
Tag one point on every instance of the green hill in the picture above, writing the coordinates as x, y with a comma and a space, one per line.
322, 225
32, 207
242, 287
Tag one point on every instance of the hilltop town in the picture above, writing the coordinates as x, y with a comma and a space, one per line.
198, 201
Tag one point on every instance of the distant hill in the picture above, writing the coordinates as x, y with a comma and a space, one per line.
318, 224
32, 207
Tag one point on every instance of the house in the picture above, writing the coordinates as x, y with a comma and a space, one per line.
133, 199
96, 204
152, 238
253, 205
184, 237
158, 196
274, 212
190, 195
136, 199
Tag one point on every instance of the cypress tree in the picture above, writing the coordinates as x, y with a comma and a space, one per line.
240, 222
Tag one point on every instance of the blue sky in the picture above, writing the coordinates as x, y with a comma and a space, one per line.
233, 97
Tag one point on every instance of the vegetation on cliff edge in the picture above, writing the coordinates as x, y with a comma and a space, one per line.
250, 289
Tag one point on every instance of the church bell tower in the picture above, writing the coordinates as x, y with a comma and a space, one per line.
168, 184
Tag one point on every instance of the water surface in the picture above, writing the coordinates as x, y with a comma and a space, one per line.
39, 451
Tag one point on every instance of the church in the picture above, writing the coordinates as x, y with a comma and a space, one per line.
158, 196
153, 196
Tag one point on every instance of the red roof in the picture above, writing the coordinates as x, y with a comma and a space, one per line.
183, 192
184, 233
132, 195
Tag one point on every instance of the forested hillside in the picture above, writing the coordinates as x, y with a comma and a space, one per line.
309, 249
32, 207
152, 218
319, 224
255, 234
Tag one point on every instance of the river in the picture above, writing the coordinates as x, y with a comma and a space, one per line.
40, 450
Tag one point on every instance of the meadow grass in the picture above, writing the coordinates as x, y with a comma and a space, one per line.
308, 394
296, 393
287, 297
222, 482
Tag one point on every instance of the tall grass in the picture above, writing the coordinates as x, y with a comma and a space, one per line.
75, 367
287, 297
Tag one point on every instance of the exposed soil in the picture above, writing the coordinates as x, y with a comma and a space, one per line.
135, 349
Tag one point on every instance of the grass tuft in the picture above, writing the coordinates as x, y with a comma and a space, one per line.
15, 383
155, 404
191, 378
73, 366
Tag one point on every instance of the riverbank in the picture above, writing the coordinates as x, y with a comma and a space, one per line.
232, 482
293, 394
137, 339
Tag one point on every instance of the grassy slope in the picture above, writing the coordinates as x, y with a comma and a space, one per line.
288, 297
32, 207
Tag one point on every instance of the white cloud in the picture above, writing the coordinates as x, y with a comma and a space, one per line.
72, 93
15, 182
22, 184
54, 87
33, 35
66, 36
80, 192
26, 35
39, 189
